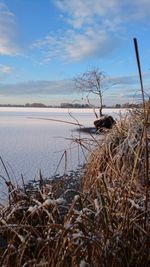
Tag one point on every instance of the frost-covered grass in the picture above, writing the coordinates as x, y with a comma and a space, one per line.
99, 217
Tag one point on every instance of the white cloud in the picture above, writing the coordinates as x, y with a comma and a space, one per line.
94, 28
82, 12
89, 44
139, 9
89, 32
74, 46
5, 69
7, 31
38, 88
127, 88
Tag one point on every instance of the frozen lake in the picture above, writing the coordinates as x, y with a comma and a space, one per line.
28, 144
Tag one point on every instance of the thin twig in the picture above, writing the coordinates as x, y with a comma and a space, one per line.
45, 119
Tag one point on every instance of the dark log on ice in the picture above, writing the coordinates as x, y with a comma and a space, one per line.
104, 122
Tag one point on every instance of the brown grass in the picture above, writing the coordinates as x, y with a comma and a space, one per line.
98, 223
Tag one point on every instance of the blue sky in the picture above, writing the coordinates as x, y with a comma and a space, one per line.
44, 44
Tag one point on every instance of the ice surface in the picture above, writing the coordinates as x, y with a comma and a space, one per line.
28, 144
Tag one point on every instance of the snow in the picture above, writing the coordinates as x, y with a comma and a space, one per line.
53, 202
83, 263
76, 198
28, 145
32, 208
133, 204
96, 204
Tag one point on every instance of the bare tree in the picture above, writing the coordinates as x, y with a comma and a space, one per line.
91, 82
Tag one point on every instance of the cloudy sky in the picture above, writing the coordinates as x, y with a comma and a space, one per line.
44, 44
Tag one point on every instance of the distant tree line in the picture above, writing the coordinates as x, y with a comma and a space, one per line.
70, 105
128, 105
35, 105
75, 105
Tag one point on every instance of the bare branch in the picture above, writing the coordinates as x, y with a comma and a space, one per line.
92, 82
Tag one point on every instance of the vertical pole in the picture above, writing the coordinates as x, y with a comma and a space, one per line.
145, 133
139, 70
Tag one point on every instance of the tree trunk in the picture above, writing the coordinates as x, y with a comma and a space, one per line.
101, 105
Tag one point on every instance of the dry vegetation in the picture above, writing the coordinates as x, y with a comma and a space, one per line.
102, 221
